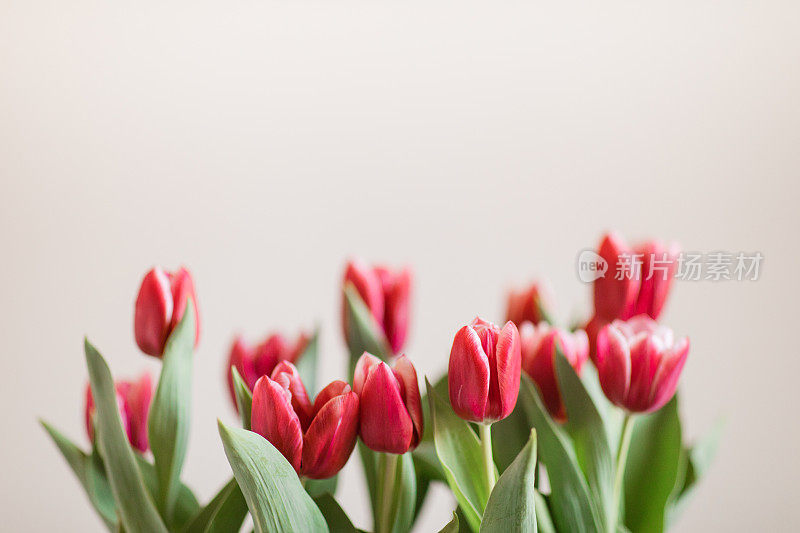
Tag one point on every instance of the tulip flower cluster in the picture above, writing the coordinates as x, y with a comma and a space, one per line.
516, 399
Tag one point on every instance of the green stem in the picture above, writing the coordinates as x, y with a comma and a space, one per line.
622, 458
386, 495
488, 461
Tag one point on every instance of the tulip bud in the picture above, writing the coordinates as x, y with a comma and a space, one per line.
539, 355
133, 402
391, 409
316, 439
160, 306
386, 293
484, 371
615, 292
253, 362
531, 304
639, 363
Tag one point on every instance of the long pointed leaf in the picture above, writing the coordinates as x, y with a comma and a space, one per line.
585, 426
85, 470
170, 412
274, 495
244, 397
134, 506
573, 508
512, 504
656, 440
460, 454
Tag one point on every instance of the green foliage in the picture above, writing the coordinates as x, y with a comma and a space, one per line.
274, 495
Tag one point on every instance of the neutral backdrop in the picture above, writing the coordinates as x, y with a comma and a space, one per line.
261, 144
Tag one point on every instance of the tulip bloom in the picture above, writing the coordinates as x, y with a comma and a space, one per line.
643, 283
484, 371
160, 306
253, 362
387, 294
391, 409
530, 304
539, 356
316, 438
133, 401
639, 363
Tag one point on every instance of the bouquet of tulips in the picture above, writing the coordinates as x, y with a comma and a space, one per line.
534, 427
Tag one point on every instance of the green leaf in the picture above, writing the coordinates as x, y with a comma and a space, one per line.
307, 364
134, 506
318, 487
274, 495
170, 412
452, 525
364, 334
335, 517
225, 512
94, 482
512, 503
401, 502
186, 506
699, 458
543, 520
589, 438
573, 508
460, 454
652, 468
244, 398
509, 437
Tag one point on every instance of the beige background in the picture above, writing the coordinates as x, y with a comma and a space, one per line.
261, 144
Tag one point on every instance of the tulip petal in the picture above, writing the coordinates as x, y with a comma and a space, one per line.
615, 298
396, 291
287, 376
666, 379
386, 424
333, 389
613, 364
332, 436
363, 367
182, 287
241, 358
137, 399
274, 419
368, 286
645, 358
505, 369
154, 310
406, 374
468, 375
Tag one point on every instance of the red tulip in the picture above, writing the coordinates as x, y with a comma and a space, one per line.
252, 362
317, 439
539, 355
391, 409
484, 371
649, 270
530, 304
160, 306
133, 401
639, 363
386, 294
